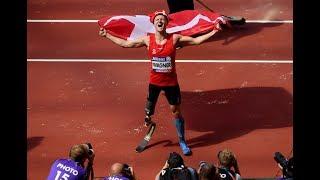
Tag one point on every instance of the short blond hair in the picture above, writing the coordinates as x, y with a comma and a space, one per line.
226, 158
78, 152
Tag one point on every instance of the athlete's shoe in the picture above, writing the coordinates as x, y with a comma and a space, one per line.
185, 149
235, 20
179, 47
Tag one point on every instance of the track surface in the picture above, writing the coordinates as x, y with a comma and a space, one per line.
246, 107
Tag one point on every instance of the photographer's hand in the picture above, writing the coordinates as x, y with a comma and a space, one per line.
166, 165
236, 167
89, 168
91, 157
132, 173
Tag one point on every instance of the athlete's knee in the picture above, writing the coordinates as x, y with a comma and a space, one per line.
176, 114
175, 111
149, 109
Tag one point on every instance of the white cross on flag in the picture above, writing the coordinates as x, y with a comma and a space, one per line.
187, 23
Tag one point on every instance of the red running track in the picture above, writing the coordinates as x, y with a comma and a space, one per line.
246, 107
81, 40
239, 106
95, 9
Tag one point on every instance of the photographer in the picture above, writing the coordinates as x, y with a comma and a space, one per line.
121, 171
74, 168
207, 171
175, 168
285, 165
228, 166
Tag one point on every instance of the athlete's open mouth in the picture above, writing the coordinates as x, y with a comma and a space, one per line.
160, 24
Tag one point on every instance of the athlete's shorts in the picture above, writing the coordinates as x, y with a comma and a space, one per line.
172, 94
176, 6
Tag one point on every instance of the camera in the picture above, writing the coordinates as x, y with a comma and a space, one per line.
90, 149
287, 165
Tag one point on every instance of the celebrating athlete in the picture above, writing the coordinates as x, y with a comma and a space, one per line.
161, 48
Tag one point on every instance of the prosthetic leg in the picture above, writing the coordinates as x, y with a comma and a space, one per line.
180, 130
147, 122
149, 110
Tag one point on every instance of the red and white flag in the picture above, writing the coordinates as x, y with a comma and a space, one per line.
187, 23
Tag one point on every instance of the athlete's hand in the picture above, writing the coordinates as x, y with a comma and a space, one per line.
102, 32
218, 27
226, 22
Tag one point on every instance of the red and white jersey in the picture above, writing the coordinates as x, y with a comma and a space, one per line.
163, 68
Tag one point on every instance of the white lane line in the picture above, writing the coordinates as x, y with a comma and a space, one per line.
60, 21
145, 60
95, 21
270, 21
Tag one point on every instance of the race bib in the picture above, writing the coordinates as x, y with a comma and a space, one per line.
161, 64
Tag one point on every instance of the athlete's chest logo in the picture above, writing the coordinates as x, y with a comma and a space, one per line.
155, 50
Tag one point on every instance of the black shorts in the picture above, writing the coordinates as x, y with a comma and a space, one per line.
172, 94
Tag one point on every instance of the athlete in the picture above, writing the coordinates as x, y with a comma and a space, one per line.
161, 48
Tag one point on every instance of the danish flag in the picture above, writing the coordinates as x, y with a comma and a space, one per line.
187, 23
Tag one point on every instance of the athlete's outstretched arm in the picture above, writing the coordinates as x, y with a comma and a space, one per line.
187, 40
124, 43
